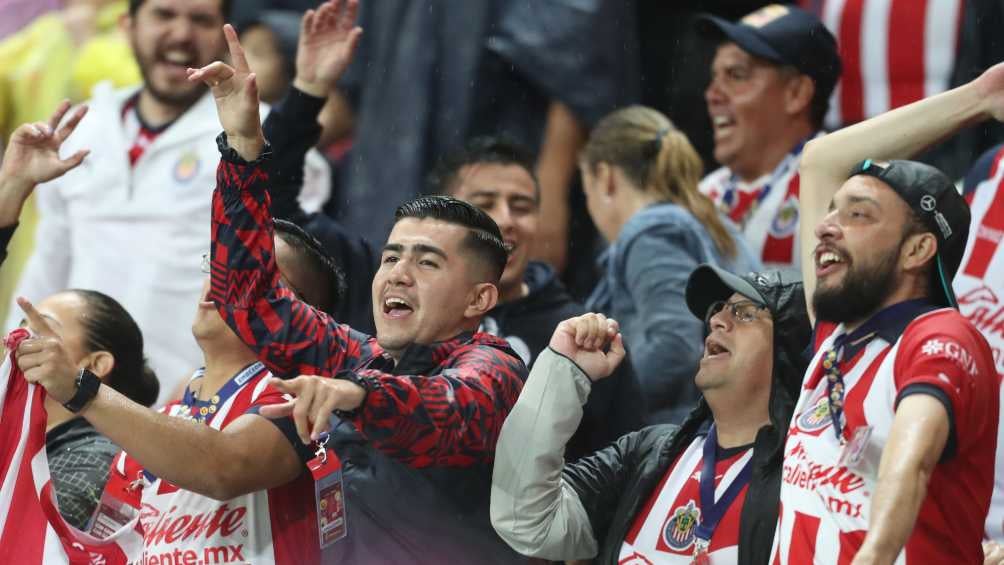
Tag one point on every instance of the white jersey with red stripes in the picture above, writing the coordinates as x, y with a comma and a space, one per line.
894, 52
765, 210
664, 531
32, 531
278, 525
979, 286
827, 485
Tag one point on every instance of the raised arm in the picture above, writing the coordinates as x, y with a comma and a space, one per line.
286, 334
533, 508
899, 134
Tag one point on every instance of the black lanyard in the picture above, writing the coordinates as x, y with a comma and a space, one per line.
712, 511
205, 410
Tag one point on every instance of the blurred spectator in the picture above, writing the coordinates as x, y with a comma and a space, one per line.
979, 286
18, 13
497, 176
129, 221
432, 74
675, 62
640, 176
101, 336
62, 54
771, 81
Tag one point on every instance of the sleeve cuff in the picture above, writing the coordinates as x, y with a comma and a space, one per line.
230, 155
300, 106
288, 429
929, 389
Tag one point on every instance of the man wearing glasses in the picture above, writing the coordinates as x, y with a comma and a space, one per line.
647, 498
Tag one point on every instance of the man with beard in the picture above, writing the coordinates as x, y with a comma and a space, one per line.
129, 220
889, 456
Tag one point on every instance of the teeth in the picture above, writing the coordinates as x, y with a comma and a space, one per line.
721, 121
828, 258
395, 302
179, 57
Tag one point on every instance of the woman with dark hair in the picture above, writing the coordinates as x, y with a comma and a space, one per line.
101, 336
640, 176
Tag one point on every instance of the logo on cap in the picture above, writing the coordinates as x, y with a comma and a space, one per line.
765, 15
928, 203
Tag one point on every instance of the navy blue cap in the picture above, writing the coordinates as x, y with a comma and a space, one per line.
785, 35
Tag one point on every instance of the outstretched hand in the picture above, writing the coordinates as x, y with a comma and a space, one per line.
316, 399
236, 94
33, 154
592, 341
328, 38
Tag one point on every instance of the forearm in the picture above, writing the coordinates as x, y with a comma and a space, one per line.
564, 136
286, 334
292, 129
898, 134
532, 508
183, 452
448, 419
12, 198
894, 508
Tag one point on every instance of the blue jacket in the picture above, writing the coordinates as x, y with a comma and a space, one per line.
644, 278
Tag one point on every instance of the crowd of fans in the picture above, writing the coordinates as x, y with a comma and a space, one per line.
460, 297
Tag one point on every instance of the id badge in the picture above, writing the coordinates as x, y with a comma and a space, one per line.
329, 496
112, 514
701, 556
859, 455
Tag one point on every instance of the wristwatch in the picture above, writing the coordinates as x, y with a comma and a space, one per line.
87, 389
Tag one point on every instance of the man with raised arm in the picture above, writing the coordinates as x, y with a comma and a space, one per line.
424, 400
643, 499
890, 453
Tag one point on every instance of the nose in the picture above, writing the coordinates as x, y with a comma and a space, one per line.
828, 228
713, 94
503, 217
181, 30
400, 274
721, 320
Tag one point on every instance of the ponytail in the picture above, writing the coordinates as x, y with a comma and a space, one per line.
658, 159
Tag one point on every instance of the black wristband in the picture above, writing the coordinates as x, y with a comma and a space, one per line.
87, 388
231, 155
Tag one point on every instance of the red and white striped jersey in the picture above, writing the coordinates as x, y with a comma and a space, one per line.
278, 525
32, 531
979, 286
664, 531
765, 210
894, 52
827, 485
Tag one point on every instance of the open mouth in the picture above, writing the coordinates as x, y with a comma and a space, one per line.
713, 349
828, 261
722, 124
394, 307
176, 61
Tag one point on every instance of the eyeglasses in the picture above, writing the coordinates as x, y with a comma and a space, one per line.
205, 263
743, 311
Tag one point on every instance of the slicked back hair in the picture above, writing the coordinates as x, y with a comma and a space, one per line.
484, 239
320, 264
134, 6
494, 150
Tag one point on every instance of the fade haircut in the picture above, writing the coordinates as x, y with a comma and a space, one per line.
483, 240
494, 150
134, 6
321, 265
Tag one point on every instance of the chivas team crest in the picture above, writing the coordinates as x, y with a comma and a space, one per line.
679, 531
817, 416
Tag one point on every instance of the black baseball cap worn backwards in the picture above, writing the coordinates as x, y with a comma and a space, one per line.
785, 35
934, 199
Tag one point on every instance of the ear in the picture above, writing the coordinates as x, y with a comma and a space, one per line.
125, 23
483, 298
100, 363
918, 250
605, 180
798, 94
